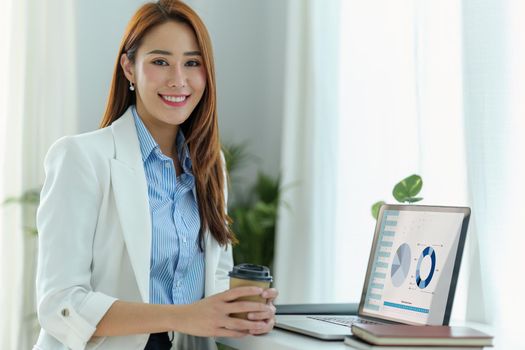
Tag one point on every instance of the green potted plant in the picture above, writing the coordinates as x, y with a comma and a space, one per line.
254, 211
405, 191
28, 200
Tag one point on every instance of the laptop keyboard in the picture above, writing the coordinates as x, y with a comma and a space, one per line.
343, 321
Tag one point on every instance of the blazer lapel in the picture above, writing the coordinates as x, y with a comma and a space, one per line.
131, 196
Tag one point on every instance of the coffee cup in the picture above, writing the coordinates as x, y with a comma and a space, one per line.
250, 275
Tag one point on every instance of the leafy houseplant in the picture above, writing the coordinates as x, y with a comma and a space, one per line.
254, 214
28, 200
254, 222
405, 191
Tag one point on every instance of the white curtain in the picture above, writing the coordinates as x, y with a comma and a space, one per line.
379, 78
428, 87
495, 123
37, 105
11, 235
401, 113
303, 272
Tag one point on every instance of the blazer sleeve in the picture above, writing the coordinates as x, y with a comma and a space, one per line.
222, 280
68, 308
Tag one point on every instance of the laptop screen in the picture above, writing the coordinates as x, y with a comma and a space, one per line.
414, 263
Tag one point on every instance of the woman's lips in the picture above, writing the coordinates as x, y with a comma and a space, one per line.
174, 100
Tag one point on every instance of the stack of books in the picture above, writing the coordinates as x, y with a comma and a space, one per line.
397, 337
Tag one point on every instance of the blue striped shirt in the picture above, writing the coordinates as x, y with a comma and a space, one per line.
177, 264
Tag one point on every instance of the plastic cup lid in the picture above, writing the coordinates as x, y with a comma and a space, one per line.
251, 272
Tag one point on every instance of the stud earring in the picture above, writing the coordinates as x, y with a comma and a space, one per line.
131, 86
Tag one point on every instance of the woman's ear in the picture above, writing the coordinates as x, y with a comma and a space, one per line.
127, 67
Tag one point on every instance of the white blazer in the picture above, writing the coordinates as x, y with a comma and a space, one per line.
95, 238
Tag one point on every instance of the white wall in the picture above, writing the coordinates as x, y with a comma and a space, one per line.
248, 40
100, 25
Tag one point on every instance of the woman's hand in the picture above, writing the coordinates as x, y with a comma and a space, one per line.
268, 317
210, 317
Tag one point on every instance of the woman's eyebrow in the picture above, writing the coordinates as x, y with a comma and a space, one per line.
159, 52
169, 53
192, 53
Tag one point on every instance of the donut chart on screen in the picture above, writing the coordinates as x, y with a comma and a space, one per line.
428, 253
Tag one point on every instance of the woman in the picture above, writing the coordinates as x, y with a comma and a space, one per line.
133, 232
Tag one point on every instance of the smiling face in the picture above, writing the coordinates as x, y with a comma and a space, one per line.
168, 75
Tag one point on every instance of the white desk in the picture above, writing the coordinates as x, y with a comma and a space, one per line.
279, 339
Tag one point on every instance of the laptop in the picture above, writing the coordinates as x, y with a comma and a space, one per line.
411, 276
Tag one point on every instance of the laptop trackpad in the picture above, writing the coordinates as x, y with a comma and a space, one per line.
314, 328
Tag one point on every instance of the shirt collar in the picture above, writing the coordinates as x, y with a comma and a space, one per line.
148, 143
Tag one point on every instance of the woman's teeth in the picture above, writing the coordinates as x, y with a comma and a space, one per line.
174, 98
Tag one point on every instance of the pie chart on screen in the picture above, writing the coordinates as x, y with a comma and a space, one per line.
400, 265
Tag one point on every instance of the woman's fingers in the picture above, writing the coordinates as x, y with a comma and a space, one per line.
235, 293
267, 327
211, 316
261, 316
270, 294
264, 315
248, 306
239, 324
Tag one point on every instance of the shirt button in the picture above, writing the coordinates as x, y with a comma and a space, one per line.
65, 312
167, 165
184, 240
179, 283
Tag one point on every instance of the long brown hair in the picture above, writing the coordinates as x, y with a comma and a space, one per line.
200, 129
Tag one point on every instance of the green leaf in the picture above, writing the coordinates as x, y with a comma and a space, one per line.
376, 207
31, 230
253, 210
28, 197
267, 188
235, 156
408, 188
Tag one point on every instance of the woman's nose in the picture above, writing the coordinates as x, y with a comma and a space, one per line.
177, 77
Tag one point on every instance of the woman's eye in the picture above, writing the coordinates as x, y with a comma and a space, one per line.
160, 63
193, 63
